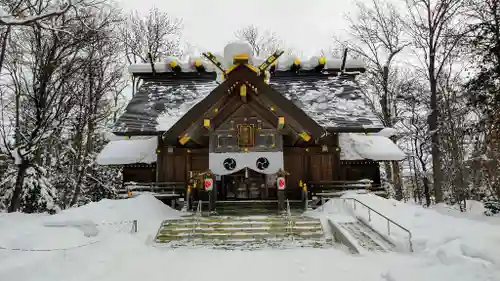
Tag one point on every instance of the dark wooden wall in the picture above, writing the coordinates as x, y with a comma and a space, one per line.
145, 174
309, 164
174, 166
303, 163
358, 170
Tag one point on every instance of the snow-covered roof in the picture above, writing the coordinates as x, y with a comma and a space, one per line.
159, 104
373, 147
283, 63
131, 151
330, 101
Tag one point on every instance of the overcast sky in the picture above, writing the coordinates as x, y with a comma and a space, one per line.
305, 25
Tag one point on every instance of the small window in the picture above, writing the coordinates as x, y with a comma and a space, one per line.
228, 141
246, 136
266, 140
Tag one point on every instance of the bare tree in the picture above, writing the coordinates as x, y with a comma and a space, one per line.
102, 78
263, 43
456, 126
157, 34
44, 67
484, 86
25, 13
32, 12
413, 120
377, 32
437, 31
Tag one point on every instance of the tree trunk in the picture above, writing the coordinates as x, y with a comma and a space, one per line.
15, 202
84, 170
433, 128
4, 47
388, 172
427, 192
398, 185
425, 181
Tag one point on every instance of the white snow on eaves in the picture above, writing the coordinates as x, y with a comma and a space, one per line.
387, 132
374, 147
233, 48
130, 151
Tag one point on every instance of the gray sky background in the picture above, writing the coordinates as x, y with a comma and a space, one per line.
305, 25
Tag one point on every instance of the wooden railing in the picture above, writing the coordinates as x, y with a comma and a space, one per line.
160, 189
330, 189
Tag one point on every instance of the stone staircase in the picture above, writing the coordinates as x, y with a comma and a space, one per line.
254, 208
366, 237
248, 232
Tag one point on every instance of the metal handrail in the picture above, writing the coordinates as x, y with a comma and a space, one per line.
198, 208
289, 219
389, 221
198, 218
288, 212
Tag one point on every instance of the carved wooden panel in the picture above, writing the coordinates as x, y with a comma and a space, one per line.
246, 135
245, 129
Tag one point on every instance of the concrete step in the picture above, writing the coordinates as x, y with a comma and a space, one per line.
364, 236
258, 236
242, 223
236, 229
259, 229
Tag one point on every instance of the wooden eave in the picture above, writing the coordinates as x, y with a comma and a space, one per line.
173, 75
336, 130
324, 72
138, 133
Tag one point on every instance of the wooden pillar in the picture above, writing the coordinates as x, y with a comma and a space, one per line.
281, 200
305, 197
213, 197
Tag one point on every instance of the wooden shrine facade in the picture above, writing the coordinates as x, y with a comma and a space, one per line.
246, 132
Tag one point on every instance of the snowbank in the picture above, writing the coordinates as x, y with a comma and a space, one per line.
449, 249
84, 225
448, 238
475, 211
143, 207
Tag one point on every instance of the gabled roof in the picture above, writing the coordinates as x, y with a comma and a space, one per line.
162, 100
241, 74
332, 102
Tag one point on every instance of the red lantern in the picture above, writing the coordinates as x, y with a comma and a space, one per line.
281, 183
208, 184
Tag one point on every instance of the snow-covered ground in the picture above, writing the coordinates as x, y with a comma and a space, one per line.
94, 243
